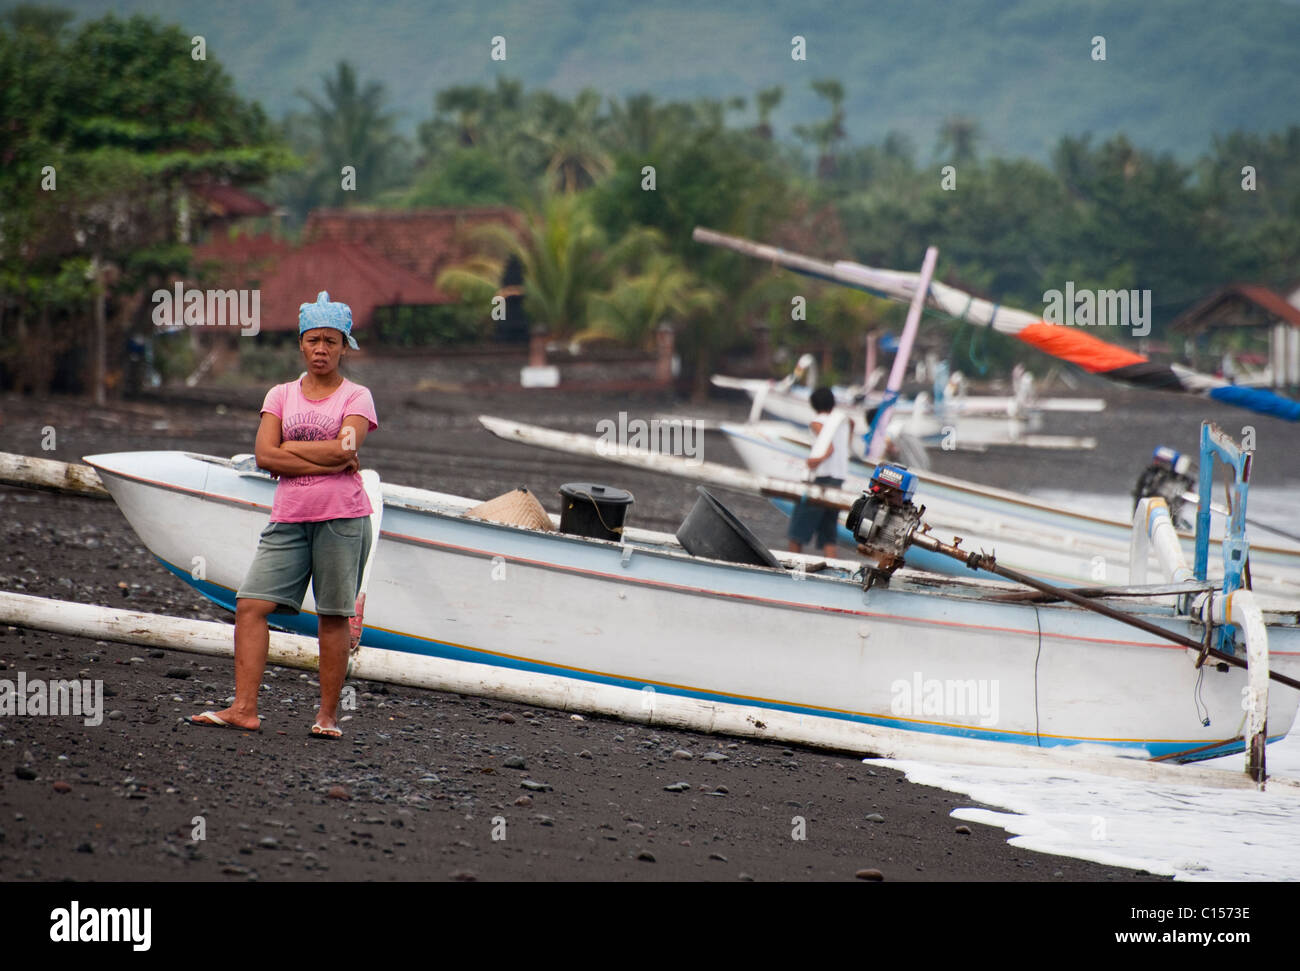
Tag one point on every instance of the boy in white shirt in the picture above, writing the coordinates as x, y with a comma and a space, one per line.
829, 462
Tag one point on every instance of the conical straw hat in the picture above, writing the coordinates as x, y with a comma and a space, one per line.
519, 507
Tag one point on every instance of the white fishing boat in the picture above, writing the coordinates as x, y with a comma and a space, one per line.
1052, 542
803, 636
948, 418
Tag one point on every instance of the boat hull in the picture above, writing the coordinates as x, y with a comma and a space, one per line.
922, 655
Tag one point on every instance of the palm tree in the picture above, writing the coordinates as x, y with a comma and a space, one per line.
570, 134
351, 128
664, 291
767, 99
826, 134
634, 124
481, 115
565, 257
957, 138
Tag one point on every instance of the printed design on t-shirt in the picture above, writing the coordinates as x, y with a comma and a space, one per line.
307, 426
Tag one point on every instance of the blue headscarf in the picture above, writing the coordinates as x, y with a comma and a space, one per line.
323, 313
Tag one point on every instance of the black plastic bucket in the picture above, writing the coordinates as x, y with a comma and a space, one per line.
597, 511
712, 530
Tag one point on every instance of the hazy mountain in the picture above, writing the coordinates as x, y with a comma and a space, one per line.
1175, 71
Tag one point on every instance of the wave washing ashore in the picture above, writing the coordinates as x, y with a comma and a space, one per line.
1175, 831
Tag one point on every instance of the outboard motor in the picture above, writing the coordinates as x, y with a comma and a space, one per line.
884, 519
1167, 477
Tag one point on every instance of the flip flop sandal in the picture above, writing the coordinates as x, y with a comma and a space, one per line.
216, 721
319, 731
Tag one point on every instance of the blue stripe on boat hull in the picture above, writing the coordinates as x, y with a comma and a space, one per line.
305, 623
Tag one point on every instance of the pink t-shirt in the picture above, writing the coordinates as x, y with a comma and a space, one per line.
314, 498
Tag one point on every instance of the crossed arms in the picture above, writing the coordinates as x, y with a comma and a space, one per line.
310, 458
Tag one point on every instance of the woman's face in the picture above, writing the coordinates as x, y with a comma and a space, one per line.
322, 347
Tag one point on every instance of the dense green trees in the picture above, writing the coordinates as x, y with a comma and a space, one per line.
611, 189
101, 132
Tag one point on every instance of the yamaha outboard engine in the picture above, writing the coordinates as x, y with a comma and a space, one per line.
884, 519
1167, 477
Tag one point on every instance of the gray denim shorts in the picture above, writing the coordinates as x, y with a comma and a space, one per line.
331, 554
808, 520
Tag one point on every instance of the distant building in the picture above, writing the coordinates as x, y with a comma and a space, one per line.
1247, 332
383, 264
426, 242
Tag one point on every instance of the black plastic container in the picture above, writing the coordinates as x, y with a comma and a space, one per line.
597, 511
712, 530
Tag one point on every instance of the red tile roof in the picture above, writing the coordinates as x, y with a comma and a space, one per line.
228, 201
1210, 312
287, 278
424, 241
245, 257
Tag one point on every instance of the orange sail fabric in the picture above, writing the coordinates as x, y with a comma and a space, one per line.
1088, 352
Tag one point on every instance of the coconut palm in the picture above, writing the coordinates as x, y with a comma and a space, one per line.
767, 100
663, 292
570, 135
351, 128
957, 139
826, 134
565, 257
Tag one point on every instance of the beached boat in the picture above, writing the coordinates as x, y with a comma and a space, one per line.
1046, 540
919, 653
973, 423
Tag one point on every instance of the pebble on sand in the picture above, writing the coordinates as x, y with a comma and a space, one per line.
869, 874
25, 772
646, 855
536, 786
875, 818
514, 762
62, 786
677, 787
336, 792
964, 830
506, 718
464, 876
682, 754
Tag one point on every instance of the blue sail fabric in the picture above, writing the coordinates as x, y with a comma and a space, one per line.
1259, 400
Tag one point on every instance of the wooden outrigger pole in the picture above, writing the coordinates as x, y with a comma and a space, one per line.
50, 475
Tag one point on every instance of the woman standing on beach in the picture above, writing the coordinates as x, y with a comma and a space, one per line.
310, 435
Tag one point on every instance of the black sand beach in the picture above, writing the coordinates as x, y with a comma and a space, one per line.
428, 786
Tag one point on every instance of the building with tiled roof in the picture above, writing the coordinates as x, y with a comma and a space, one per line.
287, 277
1247, 325
424, 241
